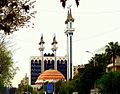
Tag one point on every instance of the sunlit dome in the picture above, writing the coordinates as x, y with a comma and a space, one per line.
50, 76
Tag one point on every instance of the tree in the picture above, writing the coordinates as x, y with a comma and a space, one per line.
64, 2
67, 87
109, 83
101, 61
86, 79
63, 88
28, 88
92, 71
7, 71
57, 86
15, 14
112, 50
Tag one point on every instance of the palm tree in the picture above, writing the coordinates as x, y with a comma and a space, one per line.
113, 50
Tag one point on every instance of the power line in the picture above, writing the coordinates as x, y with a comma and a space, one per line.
99, 35
83, 12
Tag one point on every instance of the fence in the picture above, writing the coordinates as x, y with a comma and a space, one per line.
5, 90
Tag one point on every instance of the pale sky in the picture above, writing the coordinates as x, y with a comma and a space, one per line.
97, 22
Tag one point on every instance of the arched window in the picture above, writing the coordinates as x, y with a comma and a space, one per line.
45, 61
32, 61
39, 62
48, 61
58, 62
52, 62
61, 61
36, 61
65, 61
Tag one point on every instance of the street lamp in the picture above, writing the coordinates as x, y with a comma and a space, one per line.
89, 52
92, 55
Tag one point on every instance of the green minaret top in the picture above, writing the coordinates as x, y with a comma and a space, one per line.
41, 40
54, 40
69, 17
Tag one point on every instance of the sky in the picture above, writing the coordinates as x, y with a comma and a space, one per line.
97, 22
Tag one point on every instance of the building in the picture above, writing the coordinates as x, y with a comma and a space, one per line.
117, 65
47, 61
75, 69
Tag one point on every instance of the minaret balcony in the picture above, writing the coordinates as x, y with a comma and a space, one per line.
69, 31
41, 48
54, 49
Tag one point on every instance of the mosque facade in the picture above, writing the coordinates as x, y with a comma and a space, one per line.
47, 61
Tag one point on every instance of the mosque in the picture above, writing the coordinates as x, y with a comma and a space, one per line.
59, 67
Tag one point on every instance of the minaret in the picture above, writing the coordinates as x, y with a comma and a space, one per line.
41, 51
69, 32
54, 48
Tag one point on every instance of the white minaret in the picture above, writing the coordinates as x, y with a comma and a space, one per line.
69, 32
54, 48
41, 51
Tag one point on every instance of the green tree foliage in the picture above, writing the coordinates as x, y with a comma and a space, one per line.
15, 14
57, 86
96, 68
7, 71
100, 62
112, 50
86, 78
28, 88
67, 87
109, 83
63, 89
92, 71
